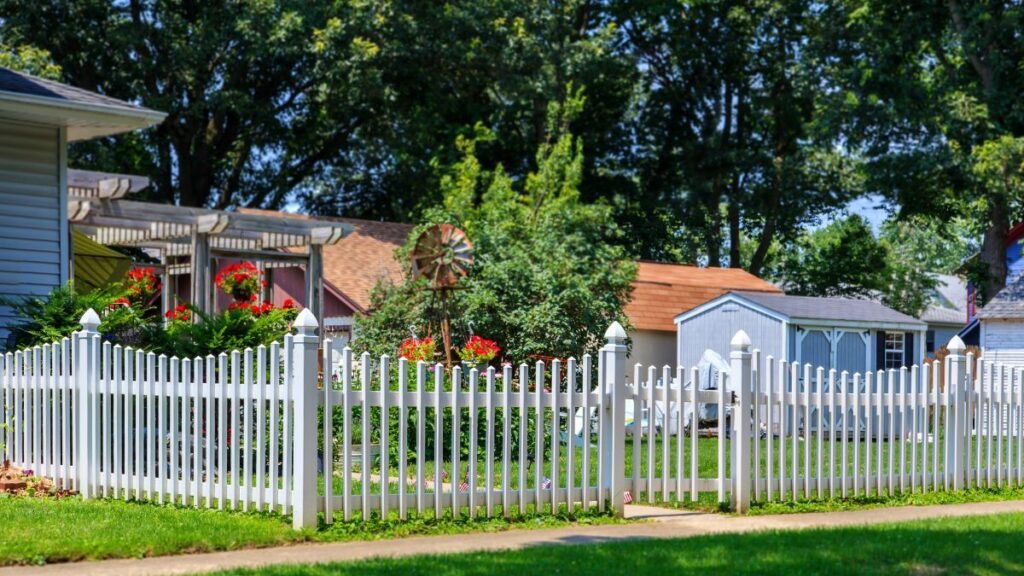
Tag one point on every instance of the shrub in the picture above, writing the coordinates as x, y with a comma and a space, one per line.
58, 315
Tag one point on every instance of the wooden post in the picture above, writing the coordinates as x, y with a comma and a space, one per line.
614, 421
200, 271
166, 291
740, 371
315, 280
304, 394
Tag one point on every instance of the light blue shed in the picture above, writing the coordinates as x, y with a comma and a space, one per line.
841, 333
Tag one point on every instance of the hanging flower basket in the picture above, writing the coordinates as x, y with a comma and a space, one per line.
241, 281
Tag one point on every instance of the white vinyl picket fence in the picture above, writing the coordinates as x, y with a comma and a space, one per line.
288, 428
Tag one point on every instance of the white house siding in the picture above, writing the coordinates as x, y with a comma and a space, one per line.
33, 213
652, 348
714, 328
1003, 341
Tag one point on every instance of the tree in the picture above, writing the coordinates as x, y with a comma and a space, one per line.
547, 278
260, 95
346, 107
844, 258
729, 144
928, 93
28, 59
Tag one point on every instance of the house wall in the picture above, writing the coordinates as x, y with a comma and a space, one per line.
34, 252
943, 334
652, 348
1003, 341
714, 328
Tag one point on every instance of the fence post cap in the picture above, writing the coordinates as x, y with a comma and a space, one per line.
956, 345
615, 333
90, 320
740, 341
306, 323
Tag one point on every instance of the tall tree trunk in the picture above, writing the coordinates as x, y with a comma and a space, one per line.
993, 246
734, 231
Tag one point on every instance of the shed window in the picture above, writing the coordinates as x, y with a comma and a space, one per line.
894, 350
930, 342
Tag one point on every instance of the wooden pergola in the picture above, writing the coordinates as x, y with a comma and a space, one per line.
188, 240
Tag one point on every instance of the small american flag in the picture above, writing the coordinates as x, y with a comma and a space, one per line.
627, 498
546, 484
464, 485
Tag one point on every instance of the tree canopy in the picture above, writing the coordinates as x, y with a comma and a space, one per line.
716, 131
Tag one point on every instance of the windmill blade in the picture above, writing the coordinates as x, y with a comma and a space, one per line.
443, 255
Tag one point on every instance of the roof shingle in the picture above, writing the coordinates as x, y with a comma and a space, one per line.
661, 291
832, 308
18, 83
1008, 304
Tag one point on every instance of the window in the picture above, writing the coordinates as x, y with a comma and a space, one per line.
893, 350
929, 342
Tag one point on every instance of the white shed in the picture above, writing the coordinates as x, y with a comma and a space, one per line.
840, 333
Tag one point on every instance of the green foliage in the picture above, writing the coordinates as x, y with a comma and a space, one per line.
840, 259
57, 315
235, 329
546, 279
28, 59
845, 258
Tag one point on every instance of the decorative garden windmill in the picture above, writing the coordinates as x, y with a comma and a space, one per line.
442, 255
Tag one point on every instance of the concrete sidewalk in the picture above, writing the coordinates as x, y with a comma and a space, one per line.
663, 523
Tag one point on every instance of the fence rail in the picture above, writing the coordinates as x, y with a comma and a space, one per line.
267, 429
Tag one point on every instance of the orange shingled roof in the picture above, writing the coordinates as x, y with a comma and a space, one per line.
355, 264
663, 291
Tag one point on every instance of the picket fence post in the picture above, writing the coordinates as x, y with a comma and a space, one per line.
85, 371
740, 369
614, 421
958, 388
304, 394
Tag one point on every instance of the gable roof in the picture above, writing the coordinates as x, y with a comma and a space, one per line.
949, 302
803, 308
661, 291
358, 261
1008, 304
85, 114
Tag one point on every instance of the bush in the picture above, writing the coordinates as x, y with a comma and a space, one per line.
58, 315
237, 328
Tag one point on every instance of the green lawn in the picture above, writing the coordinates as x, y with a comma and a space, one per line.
979, 545
41, 530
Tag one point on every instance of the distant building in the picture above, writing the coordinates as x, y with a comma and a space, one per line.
840, 333
946, 315
1001, 325
661, 291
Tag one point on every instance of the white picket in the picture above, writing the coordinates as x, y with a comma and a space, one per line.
218, 432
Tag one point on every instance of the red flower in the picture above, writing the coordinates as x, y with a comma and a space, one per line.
252, 298
416, 349
288, 303
170, 314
